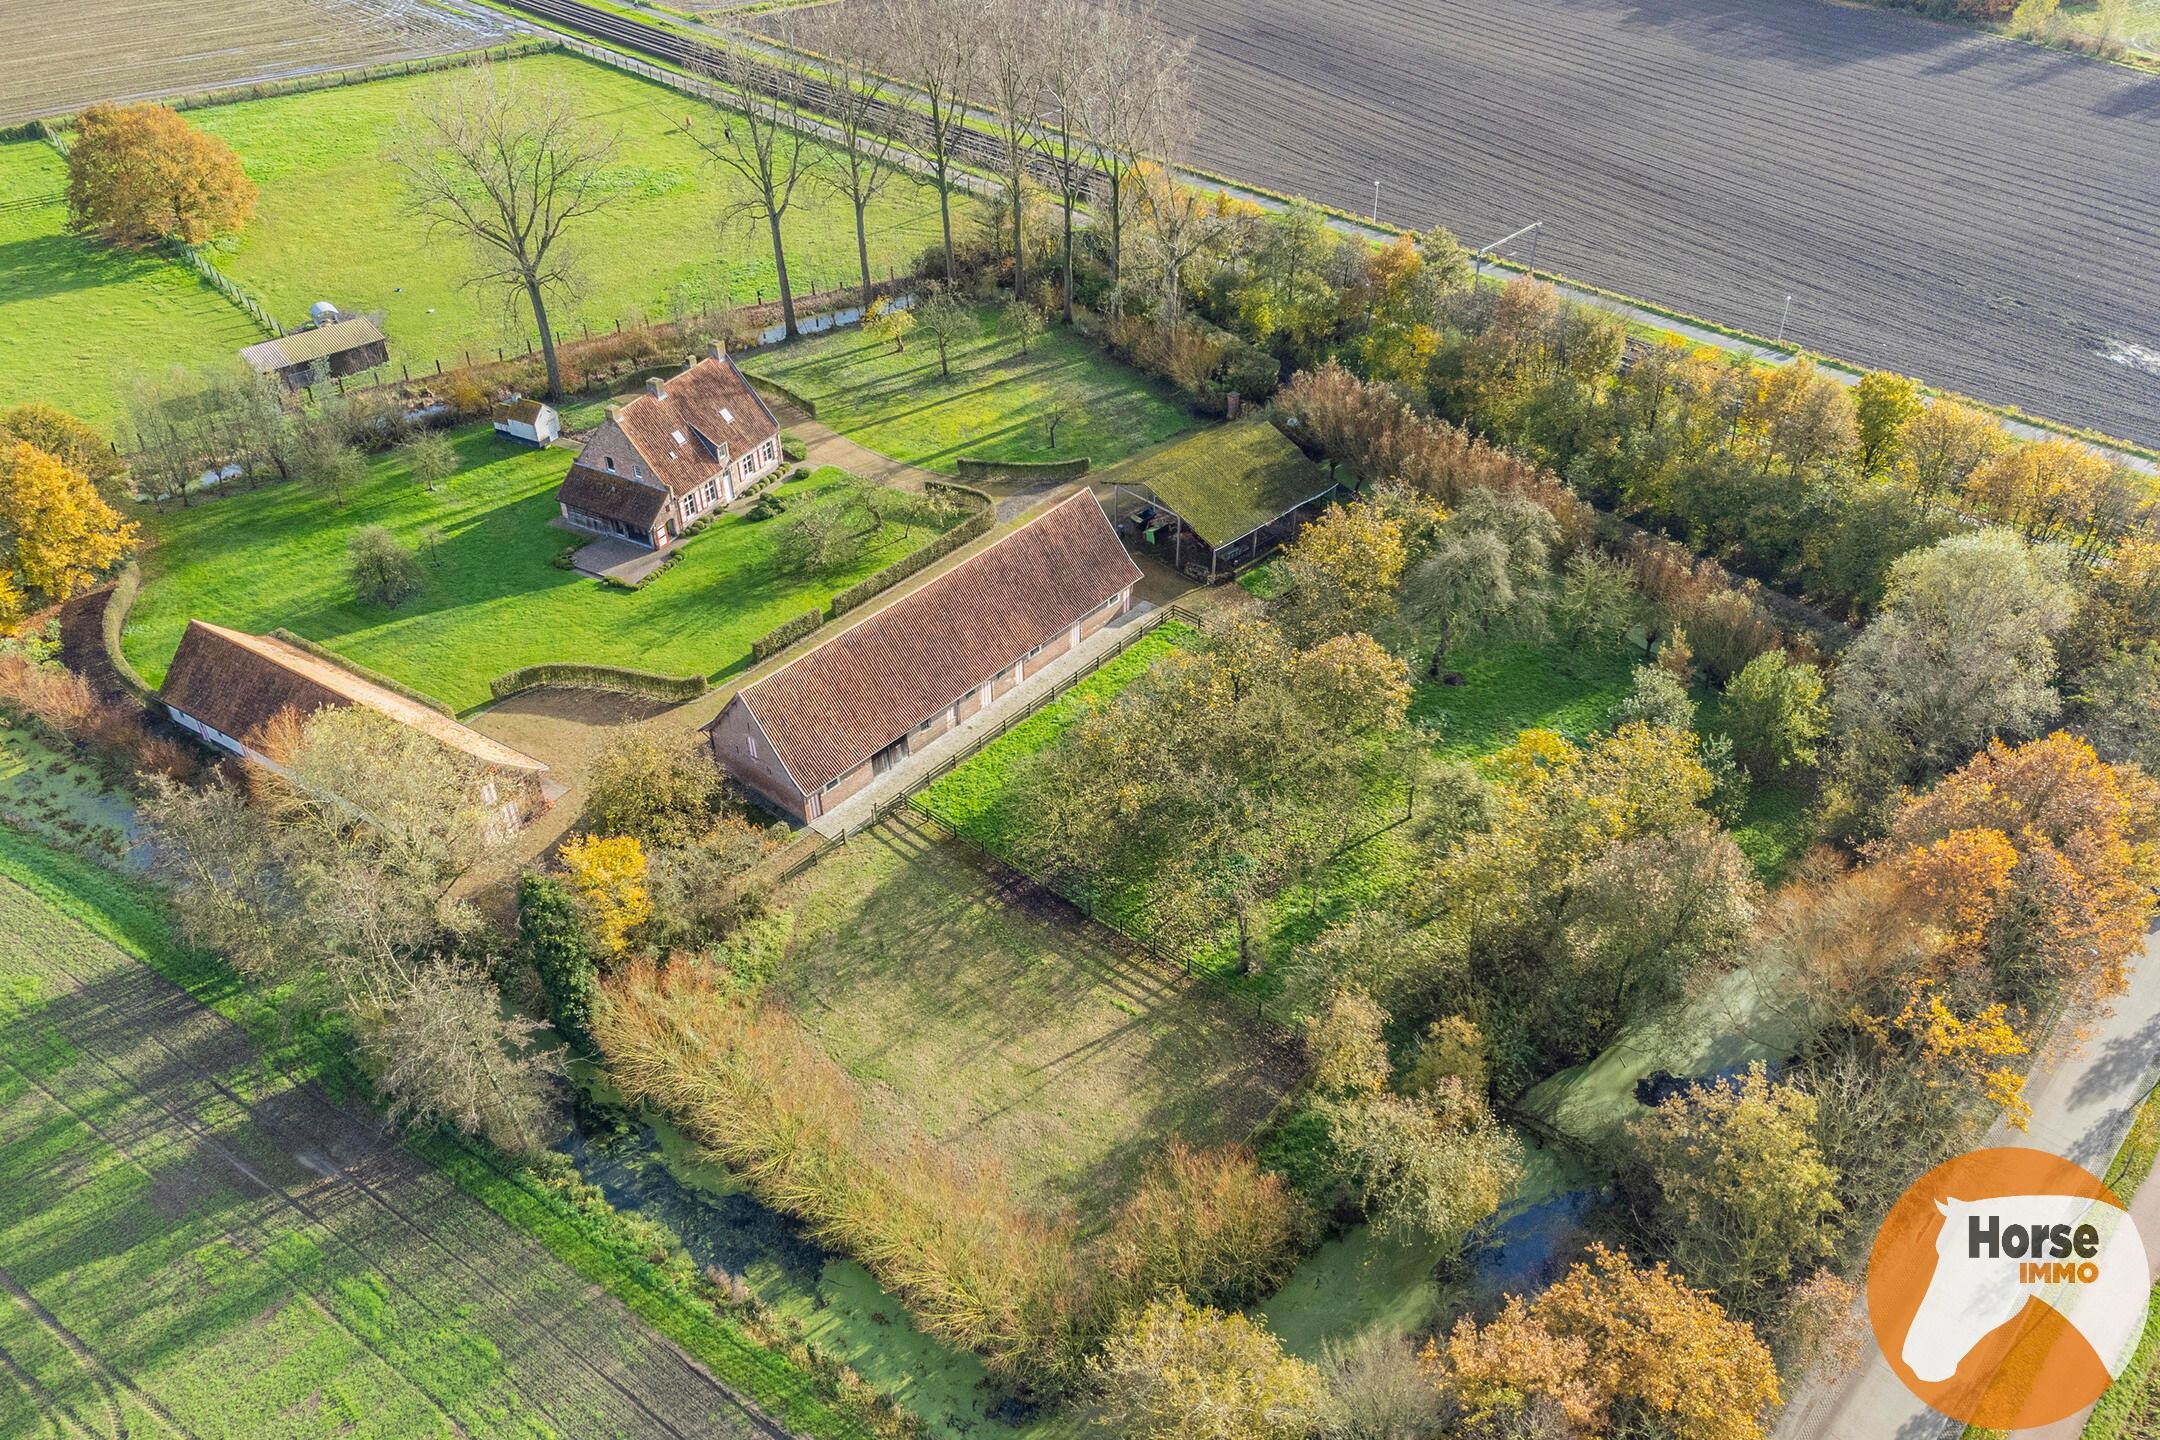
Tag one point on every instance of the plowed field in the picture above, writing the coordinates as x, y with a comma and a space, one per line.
1980, 213
62, 57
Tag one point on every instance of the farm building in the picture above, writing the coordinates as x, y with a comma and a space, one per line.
1216, 501
822, 727
224, 686
340, 348
533, 421
685, 448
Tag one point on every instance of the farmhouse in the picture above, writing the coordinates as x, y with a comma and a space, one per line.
1216, 501
686, 447
342, 347
821, 728
225, 686
533, 421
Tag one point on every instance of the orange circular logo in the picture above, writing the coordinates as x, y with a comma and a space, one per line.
2008, 1288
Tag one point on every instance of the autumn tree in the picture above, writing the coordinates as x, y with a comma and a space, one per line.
1344, 569
607, 873
384, 572
1014, 63
658, 793
1737, 1187
141, 173
66, 439
1882, 404
429, 459
508, 165
1621, 1350
57, 535
867, 150
882, 323
949, 323
1135, 82
1178, 1371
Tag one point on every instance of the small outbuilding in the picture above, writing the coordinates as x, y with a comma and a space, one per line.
1218, 500
224, 686
533, 421
819, 729
342, 347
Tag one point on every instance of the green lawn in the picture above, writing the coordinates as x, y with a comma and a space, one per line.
329, 227
993, 405
80, 318
494, 599
1512, 687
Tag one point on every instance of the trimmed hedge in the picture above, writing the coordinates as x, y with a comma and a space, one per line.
782, 391
976, 524
964, 493
773, 641
573, 676
117, 606
974, 469
374, 677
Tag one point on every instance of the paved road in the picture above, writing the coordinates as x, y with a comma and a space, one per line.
2082, 1104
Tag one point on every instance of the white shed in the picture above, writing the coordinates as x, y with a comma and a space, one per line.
533, 421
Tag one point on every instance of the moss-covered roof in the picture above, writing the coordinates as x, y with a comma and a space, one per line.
1227, 481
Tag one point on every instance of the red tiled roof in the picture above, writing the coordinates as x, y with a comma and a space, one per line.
613, 497
850, 697
235, 682
680, 436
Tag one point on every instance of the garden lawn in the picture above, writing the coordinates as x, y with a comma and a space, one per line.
329, 224
78, 318
494, 599
1512, 687
994, 405
1002, 1026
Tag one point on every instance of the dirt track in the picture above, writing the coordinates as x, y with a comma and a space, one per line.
1979, 213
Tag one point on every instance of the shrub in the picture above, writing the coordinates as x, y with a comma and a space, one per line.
383, 572
552, 934
1777, 717
792, 447
1210, 1224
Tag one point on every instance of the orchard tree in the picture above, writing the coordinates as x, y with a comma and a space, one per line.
658, 793
1777, 717
1024, 322
141, 173
383, 571
507, 164
1177, 1371
429, 458
1344, 569
949, 323
883, 322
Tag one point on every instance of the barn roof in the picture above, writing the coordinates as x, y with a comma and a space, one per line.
680, 435
234, 683
839, 704
303, 347
527, 411
1225, 482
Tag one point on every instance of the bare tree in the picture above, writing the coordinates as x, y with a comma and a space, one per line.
1182, 221
1137, 76
937, 45
869, 152
510, 165
761, 140
1013, 84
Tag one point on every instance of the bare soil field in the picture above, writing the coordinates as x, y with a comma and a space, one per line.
60, 58
1979, 213
192, 1244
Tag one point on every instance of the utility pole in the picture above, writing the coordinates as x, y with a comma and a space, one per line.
1376, 202
1782, 319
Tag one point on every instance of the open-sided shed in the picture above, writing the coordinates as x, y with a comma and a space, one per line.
1214, 502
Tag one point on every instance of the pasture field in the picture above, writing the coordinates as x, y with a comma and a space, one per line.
195, 1241
62, 57
996, 1023
993, 406
329, 225
80, 318
494, 597
1973, 212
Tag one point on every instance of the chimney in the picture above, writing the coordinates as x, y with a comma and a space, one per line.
614, 413
718, 349
655, 389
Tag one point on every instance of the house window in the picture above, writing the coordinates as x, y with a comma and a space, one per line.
919, 729
765, 455
609, 461
1034, 652
829, 784
753, 747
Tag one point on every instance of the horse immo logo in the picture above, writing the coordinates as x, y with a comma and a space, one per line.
2008, 1288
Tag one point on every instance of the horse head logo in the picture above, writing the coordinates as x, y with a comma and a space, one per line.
2073, 1253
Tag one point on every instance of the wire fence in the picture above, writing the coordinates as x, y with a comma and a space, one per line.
231, 289
907, 805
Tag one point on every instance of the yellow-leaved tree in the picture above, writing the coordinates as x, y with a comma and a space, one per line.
608, 873
57, 535
141, 173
